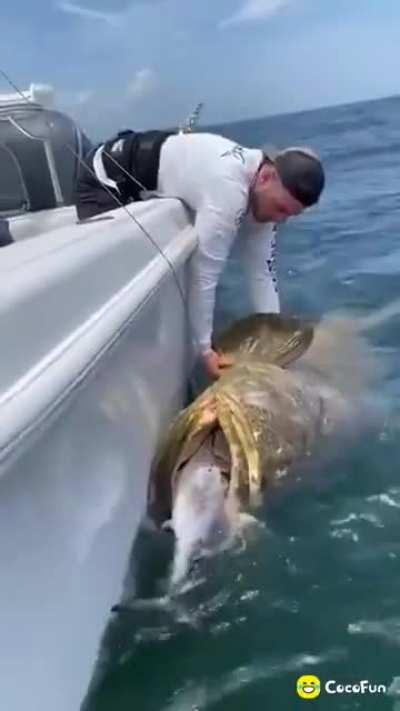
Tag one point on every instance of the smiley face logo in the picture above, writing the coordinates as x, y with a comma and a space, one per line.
308, 687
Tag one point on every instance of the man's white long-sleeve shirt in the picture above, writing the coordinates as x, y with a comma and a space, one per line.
213, 175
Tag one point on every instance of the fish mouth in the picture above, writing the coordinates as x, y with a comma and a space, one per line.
216, 446
217, 421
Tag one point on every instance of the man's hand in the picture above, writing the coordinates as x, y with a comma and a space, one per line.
215, 364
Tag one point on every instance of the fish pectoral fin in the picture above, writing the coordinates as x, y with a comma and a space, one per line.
236, 456
253, 476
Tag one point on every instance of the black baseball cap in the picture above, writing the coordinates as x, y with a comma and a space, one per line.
300, 171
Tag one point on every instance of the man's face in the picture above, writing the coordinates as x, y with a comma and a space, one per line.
270, 201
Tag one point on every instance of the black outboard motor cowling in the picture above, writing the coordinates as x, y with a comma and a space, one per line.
39, 151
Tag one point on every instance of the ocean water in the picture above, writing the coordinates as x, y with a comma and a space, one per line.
317, 591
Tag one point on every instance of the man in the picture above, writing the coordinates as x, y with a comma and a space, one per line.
231, 188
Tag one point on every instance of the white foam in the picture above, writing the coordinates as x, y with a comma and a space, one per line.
202, 696
369, 518
385, 499
394, 688
388, 629
345, 533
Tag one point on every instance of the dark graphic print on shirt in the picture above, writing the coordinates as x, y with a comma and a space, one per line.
236, 152
271, 262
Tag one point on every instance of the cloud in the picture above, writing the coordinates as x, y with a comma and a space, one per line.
113, 19
83, 97
77, 103
75, 99
255, 10
143, 83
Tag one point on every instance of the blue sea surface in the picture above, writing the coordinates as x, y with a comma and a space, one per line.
317, 591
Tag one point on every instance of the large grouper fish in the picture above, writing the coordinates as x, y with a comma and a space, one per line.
278, 398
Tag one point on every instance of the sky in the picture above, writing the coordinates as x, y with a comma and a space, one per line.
141, 64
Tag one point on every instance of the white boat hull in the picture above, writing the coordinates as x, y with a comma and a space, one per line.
94, 358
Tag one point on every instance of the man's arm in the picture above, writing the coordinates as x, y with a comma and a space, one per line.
258, 249
216, 237
216, 224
